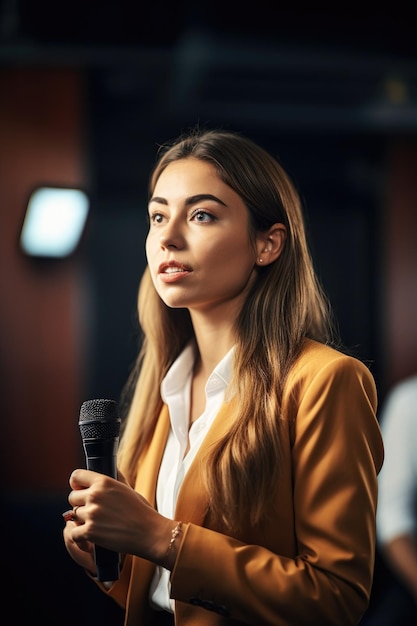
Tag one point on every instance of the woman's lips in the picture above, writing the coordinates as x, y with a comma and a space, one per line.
172, 272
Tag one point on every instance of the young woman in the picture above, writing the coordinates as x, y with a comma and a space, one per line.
249, 457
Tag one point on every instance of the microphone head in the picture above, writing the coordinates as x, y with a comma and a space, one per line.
99, 419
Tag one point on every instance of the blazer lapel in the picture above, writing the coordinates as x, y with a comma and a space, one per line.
142, 571
149, 464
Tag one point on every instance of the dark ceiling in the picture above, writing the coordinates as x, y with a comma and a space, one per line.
278, 74
278, 67
389, 29
155, 68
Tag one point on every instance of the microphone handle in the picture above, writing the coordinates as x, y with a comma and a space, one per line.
107, 562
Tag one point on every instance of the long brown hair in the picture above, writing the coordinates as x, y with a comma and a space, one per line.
285, 306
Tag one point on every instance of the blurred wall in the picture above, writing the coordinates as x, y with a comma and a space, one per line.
42, 355
399, 262
41, 326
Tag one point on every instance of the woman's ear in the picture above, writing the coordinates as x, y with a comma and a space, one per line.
270, 244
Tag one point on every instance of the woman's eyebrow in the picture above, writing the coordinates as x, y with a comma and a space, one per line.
203, 196
191, 200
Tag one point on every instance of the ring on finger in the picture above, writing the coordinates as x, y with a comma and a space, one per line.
68, 515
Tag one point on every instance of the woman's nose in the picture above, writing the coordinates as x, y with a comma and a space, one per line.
172, 236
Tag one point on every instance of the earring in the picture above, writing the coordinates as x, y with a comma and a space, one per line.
261, 260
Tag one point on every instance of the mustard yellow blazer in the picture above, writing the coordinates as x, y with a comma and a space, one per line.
312, 562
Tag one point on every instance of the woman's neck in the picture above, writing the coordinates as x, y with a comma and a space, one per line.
213, 343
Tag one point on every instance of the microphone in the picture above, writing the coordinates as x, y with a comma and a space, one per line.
100, 427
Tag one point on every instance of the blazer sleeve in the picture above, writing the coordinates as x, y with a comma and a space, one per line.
334, 453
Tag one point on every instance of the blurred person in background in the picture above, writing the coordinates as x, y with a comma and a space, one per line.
250, 449
397, 508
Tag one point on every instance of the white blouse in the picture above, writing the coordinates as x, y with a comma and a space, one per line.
175, 392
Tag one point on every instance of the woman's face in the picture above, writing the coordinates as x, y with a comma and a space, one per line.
198, 247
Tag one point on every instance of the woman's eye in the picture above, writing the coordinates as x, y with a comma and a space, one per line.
202, 216
156, 218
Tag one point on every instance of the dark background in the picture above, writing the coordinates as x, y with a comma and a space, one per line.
332, 92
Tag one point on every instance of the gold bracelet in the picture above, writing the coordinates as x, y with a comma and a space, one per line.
174, 534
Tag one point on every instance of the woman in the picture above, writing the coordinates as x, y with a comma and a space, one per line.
249, 458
